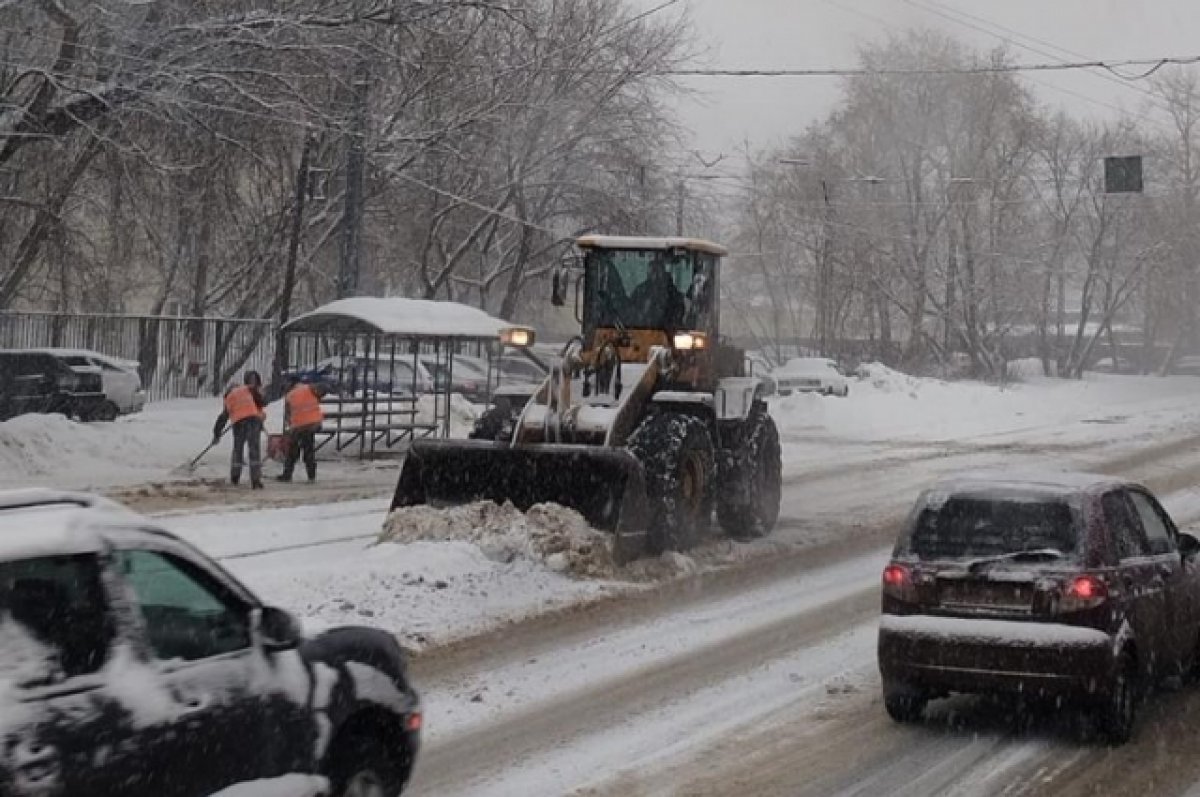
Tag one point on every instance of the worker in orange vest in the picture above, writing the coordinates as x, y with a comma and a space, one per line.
302, 417
245, 411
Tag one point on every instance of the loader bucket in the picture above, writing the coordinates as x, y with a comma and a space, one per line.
605, 485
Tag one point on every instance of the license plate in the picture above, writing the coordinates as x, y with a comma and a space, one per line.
985, 593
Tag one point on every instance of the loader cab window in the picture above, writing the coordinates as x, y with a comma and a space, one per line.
648, 289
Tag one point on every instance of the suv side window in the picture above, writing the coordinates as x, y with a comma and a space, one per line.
188, 615
1158, 533
1124, 526
54, 618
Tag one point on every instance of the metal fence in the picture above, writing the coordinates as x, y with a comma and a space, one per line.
177, 357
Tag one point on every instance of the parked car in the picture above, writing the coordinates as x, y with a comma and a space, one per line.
810, 375
119, 378
1071, 587
351, 375
465, 375
38, 382
519, 369
132, 664
1118, 365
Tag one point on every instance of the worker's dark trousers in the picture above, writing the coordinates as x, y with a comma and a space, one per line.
303, 441
247, 434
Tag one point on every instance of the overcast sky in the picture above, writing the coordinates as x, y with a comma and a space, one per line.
746, 34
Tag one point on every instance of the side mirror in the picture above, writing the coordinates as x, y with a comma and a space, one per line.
1189, 545
558, 287
279, 630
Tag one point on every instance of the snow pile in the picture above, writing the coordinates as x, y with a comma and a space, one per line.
889, 380
887, 405
550, 534
52, 450
286, 786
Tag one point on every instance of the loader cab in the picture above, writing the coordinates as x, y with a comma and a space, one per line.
639, 293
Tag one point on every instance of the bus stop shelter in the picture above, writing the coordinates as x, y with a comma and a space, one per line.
374, 357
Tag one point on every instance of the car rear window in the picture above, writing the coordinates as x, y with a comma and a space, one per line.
966, 528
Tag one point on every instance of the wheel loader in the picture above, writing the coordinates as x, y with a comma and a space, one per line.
646, 424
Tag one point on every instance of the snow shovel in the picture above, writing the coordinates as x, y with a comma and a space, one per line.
190, 468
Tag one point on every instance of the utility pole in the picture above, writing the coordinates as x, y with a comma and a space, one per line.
352, 215
825, 273
289, 271
679, 200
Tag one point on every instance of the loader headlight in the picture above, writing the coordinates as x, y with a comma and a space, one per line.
517, 336
690, 341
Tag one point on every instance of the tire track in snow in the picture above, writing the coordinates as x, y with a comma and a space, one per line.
963, 750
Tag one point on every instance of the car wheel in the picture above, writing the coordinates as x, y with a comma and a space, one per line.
363, 766
106, 412
904, 704
1118, 713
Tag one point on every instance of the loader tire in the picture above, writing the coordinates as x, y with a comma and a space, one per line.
677, 454
752, 485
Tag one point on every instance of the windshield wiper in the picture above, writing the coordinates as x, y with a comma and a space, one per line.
1016, 556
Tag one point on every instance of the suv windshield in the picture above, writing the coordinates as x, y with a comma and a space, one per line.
969, 528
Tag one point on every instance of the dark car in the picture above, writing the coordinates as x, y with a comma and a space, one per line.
133, 665
1071, 587
40, 382
467, 376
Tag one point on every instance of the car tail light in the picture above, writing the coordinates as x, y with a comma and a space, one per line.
1083, 592
414, 722
898, 583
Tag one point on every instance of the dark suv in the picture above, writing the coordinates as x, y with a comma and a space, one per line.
1067, 586
132, 665
41, 382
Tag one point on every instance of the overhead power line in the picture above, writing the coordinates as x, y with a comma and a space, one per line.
1149, 65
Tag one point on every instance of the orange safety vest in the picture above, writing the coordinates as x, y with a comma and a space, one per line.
304, 407
239, 403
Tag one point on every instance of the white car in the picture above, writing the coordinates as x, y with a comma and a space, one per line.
810, 375
123, 391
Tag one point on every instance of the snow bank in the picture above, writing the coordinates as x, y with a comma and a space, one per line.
889, 380
885, 404
548, 534
287, 786
151, 446
52, 450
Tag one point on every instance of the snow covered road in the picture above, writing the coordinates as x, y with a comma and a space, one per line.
764, 687
757, 674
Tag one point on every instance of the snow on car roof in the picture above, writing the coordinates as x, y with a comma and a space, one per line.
46, 531
58, 351
807, 364
629, 242
1043, 482
40, 522
411, 318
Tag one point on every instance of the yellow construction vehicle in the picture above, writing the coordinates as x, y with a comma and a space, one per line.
646, 424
